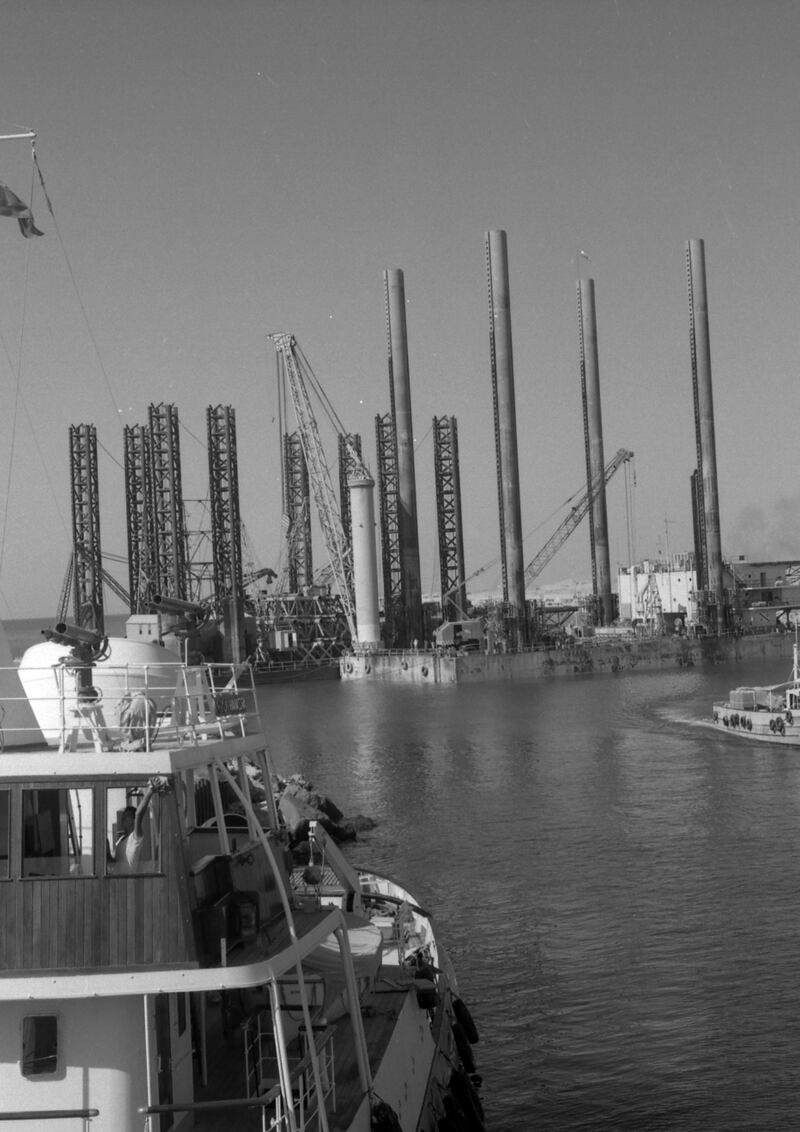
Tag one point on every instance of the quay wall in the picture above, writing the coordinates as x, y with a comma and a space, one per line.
577, 658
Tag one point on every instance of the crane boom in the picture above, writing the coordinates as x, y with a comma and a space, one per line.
578, 512
295, 371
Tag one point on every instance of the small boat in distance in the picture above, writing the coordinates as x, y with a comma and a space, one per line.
770, 714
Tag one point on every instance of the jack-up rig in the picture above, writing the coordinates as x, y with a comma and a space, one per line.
311, 616
171, 593
220, 609
314, 617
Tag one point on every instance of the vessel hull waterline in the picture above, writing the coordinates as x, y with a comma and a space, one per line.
768, 714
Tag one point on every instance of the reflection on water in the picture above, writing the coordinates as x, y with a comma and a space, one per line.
617, 886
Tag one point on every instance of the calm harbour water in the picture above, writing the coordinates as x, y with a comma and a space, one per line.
616, 884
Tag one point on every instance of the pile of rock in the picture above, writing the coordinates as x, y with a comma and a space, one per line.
299, 803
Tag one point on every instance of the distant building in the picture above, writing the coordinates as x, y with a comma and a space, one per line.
658, 593
767, 593
662, 594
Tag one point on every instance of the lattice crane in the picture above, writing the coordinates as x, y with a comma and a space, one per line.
576, 515
298, 377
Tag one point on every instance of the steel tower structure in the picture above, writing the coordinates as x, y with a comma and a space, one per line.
408, 626
87, 560
505, 429
297, 509
141, 532
595, 459
199, 551
698, 530
448, 511
226, 527
297, 378
389, 521
348, 444
711, 581
166, 501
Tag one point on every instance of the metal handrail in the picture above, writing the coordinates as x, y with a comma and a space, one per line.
212, 1106
52, 1114
223, 691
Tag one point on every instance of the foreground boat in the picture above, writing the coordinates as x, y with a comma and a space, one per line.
163, 962
769, 714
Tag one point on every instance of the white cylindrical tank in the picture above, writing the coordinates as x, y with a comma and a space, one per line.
365, 563
128, 667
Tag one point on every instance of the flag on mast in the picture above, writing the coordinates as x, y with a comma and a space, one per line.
11, 205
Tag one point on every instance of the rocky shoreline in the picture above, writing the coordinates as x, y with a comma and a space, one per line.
299, 803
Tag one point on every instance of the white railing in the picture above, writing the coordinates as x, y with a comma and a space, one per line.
125, 707
262, 1075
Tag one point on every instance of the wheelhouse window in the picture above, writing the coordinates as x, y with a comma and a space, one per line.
39, 1045
133, 833
5, 834
57, 835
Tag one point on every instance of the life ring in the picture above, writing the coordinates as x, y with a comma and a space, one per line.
461, 1011
749, 724
780, 726
405, 665
348, 667
772, 725
725, 720
789, 717
424, 670
368, 668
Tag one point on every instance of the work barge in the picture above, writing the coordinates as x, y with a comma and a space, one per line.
618, 654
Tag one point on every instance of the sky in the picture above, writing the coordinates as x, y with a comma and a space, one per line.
222, 170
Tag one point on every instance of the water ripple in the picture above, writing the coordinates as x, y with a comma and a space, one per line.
617, 886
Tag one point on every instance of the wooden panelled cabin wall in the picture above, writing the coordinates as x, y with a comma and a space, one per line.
73, 923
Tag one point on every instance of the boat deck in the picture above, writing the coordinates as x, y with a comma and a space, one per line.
226, 1067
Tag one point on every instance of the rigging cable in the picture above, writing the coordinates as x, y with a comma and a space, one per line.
182, 425
16, 370
74, 282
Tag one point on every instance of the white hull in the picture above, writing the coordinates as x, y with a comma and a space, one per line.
779, 728
769, 714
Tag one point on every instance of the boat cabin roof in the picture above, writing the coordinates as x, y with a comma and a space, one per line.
85, 765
